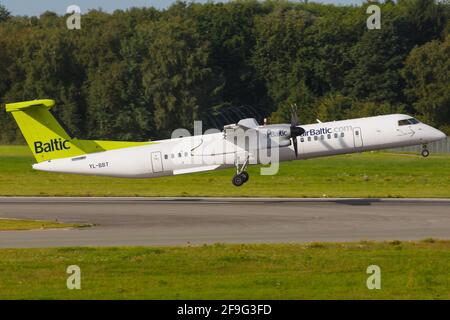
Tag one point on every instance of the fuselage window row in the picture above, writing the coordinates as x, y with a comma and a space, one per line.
322, 137
172, 156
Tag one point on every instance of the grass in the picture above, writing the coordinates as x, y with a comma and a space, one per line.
13, 224
374, 174
409, 270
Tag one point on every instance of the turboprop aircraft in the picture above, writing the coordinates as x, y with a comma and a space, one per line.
238, 145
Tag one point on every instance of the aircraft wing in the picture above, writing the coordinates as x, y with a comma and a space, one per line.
245, 124
245, 136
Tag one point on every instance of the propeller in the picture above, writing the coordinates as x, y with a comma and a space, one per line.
295, 130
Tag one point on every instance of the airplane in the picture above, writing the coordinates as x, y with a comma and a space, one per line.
55, 151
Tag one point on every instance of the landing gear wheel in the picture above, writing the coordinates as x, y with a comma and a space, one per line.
425, 153
241, 175
238, 180
245, 176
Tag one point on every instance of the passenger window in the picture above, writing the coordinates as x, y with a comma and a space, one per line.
329, 136
185, 154
309, 138
172, 156
302, 140
336, 135
179, 155
322, 137
342, 134
316, 138
166, 156
357, 133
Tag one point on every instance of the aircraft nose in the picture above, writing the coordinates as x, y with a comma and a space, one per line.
431, 134
439, 135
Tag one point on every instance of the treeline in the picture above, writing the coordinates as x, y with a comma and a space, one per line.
139, 74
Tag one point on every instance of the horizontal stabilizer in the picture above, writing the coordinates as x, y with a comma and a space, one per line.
10, 107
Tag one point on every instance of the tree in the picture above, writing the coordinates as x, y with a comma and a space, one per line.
334, 107
229, 28
279, 56
428, 18
141, 73
178, 80
4, 13
377, 60
427, 74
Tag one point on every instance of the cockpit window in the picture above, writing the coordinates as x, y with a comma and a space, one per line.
406, 122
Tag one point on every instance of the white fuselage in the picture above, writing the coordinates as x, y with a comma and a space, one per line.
216, 151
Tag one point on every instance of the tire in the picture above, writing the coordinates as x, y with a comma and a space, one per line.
238, 180
245, 176
425, 153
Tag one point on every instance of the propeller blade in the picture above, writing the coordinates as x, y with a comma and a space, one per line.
294, 142
294, 117
297, 131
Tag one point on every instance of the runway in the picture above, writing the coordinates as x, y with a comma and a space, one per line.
183, 221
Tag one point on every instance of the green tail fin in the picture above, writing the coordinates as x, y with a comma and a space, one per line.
47, 139
44, 135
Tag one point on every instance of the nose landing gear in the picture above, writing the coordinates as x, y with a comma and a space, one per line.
425, 152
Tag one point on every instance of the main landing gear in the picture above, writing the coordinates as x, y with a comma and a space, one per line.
425, 152
241, 175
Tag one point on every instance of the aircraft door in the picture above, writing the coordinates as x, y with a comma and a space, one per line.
156, 162
357, 137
